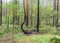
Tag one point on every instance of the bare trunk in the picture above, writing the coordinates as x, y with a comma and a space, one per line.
26, 9
38, 18
25, 17
55, 19
0, 12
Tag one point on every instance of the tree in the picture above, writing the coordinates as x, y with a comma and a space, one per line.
25, 16
31, 11
26, 11
55, 16
15, 16
38, 17
0, 12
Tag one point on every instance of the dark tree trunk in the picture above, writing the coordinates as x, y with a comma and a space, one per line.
25, 17
55, 16
0, 12
38, 18
24, 10
57, 13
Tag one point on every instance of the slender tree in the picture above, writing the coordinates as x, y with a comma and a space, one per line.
24, 16
18, 11
14, 2
14, 10
48, 17
7, 17
26, 11
0, 12
31, 11
38, 17
55, 16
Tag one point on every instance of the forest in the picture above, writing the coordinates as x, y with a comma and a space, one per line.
29, 21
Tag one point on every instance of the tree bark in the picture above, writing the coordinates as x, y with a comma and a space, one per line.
25, 17
38, 17
55, 16
26, 9
0, 12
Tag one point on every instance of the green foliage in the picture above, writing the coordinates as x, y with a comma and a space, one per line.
21, 38
55, 40
46, 14
48, 29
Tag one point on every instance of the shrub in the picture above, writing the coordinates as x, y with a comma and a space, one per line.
55, 40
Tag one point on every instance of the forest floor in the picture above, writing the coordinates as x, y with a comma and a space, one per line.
22, 38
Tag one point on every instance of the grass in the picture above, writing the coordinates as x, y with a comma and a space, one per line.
20, 38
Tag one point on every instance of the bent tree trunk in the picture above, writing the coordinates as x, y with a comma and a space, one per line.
38, 17
0, 12
25, 16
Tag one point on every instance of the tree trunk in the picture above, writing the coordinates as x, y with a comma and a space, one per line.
31, 11
55, 22
0, 12
26, 9
25, 17
38, 17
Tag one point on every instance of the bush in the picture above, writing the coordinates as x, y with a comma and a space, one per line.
55, 40
48, 29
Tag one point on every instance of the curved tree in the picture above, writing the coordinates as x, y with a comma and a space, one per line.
25, 16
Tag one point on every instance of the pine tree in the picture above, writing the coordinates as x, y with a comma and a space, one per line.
38, 17
55, 16
0, 12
